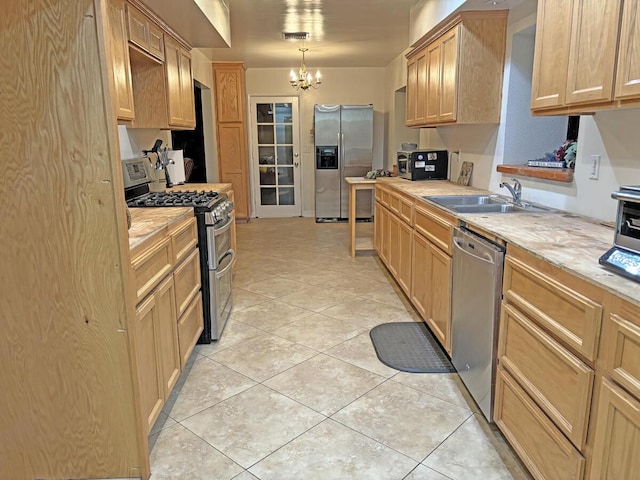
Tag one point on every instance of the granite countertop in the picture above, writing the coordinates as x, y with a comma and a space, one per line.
148, 222
214, 187
569, 241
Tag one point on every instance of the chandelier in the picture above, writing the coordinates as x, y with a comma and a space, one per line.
304, 80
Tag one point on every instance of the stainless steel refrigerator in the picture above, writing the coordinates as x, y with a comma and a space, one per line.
344, 148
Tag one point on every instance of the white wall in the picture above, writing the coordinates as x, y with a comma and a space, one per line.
427, 14
339, 86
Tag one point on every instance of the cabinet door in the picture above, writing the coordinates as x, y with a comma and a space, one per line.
120, 64
420, 275
149, 378
174, 89
617, 435
448, 77
412, 87
592, 52
439, 290
384, 240
377, 233
188, 107
433, 82
394, 245
405, 239
553, 29
168, 357
421, 89
229, 94
628, 71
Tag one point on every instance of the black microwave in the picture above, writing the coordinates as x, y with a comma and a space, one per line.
423, 164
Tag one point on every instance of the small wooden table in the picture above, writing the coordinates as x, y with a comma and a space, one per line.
355, 184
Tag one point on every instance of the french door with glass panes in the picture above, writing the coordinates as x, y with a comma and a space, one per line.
275, 159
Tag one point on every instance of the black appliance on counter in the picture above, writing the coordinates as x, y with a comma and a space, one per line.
423, 164
214, 218
624, 257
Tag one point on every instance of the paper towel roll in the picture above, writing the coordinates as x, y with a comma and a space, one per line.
176, 169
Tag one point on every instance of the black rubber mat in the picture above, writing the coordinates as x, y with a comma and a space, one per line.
410, 347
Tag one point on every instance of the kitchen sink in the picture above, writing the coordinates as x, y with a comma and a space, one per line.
483, 204
456, 200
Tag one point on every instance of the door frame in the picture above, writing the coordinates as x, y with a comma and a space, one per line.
253, 143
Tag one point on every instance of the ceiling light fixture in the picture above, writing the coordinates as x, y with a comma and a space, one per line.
304, 80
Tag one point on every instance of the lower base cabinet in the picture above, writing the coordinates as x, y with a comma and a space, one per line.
431, 288
190, 327
157, 349
616, 451
540, 445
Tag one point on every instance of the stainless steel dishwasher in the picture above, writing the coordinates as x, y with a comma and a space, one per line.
475, 310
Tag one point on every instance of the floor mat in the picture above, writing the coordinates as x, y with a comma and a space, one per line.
410, 347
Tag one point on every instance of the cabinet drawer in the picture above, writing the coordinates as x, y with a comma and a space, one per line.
622, 346
394, 203
567, 314
187, 281
406, 210
436, 226
385, 198
190, 327
152, 266
184, 237
557, 380
539, 444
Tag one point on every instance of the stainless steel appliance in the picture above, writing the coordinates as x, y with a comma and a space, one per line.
624, 257
423, 164
344, 148
475, 309
214, 218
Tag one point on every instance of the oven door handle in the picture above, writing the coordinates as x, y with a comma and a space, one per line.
226, 226
224, 271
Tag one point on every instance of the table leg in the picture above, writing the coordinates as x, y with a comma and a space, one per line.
352, 219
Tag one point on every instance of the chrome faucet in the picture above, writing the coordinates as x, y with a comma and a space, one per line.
516, 190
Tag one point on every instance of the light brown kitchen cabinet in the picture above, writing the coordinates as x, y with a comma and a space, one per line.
416, 97
394, 244
169, 319
548, 348
617, 435
586, 56
404, 268
145, 33
628, 66
119, 57
231, 132
431, 287
150, 317
181, 106
462, 70
617, 423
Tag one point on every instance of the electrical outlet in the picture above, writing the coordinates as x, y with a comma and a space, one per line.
594, 172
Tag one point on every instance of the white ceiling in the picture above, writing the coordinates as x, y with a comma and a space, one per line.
343, 33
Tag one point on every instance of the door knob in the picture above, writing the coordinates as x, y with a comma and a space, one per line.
295, 164
295, 154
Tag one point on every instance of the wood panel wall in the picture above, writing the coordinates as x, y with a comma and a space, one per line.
67, 394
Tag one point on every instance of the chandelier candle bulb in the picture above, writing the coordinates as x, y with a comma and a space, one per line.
304, 79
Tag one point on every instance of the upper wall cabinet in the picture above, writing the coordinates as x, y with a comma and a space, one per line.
587, 56
151, 68
454, 75
120, 65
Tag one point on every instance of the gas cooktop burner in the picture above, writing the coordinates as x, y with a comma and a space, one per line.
176, 199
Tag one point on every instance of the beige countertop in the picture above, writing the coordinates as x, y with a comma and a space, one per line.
147, 222
569, 241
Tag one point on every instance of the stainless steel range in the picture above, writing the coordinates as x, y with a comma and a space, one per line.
624, 257
214, 217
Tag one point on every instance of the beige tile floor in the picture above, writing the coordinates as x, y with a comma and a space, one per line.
294, 390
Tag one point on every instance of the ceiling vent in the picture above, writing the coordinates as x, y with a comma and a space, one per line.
295, 35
